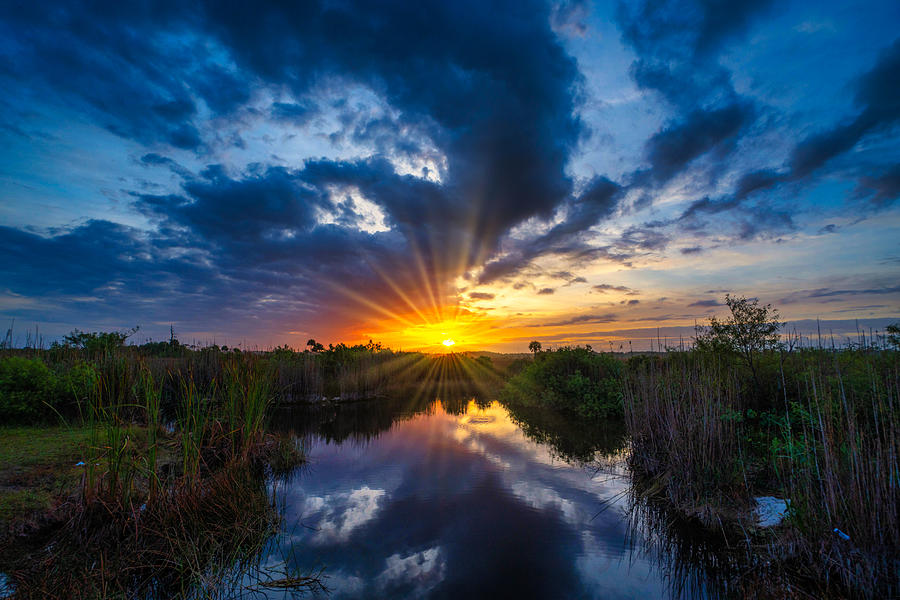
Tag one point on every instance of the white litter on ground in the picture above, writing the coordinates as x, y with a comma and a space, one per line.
770, 511
6, 586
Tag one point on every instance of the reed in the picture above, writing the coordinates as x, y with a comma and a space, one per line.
826, 437
200, 540
247, 400
193, 420
150, 392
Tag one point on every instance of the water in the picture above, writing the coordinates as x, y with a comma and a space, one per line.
457, 500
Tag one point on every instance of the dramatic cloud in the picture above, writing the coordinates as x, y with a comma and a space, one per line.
492, 88
673, 148
344, 169
877, 97
677, 44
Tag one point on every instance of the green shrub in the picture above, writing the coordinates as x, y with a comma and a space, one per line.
29, 391
574, 380
76, 386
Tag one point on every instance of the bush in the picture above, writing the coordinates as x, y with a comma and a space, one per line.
574, 380
77, 385
29, 391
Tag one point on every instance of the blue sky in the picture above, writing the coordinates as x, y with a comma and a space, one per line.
270, 173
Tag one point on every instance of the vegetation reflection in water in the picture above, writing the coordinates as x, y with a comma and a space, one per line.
456, 496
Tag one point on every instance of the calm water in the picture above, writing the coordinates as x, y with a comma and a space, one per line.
456, 500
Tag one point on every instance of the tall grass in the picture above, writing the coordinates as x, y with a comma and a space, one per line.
684, 416
838, 458
111, 444
193, 421
826, 437
163, 514
200, 540
247, 400
150, 391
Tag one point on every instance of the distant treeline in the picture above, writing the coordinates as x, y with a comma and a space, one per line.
44, 385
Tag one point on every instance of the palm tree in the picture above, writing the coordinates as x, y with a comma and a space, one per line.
535, 347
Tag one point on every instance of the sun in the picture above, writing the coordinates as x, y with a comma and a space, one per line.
457, 334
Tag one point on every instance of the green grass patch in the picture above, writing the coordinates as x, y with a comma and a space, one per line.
37, 465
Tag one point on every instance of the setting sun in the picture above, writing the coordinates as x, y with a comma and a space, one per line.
448, 342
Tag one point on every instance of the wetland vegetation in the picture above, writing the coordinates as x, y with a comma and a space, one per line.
155, 470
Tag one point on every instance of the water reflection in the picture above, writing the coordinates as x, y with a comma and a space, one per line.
448, 499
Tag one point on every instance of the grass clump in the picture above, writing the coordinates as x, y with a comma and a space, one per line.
198, 540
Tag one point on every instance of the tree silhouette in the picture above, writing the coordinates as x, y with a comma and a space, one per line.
535, 347
751, 329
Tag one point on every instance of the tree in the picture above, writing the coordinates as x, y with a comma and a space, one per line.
893, 337
750, 330
534, 347
98, 342
315, 346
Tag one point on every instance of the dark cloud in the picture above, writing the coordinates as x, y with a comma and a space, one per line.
677, 43
597, 202
829, 294
692, 250
708, 205
545, 291
745, 220
606, 287
293, 112
490, 87
106, 64
591, 318
153, 159
881, 190
670, 150
644, 238
877, 97
575, 280
705, 304
481, 296
755, 180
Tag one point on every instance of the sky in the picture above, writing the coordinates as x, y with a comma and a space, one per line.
485, 172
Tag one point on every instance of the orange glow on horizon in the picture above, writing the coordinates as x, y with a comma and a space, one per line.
459, 333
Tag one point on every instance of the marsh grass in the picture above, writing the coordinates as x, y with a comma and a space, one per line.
198, 540
704, 563
174, 498
149, 391
248, 398
826, 437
